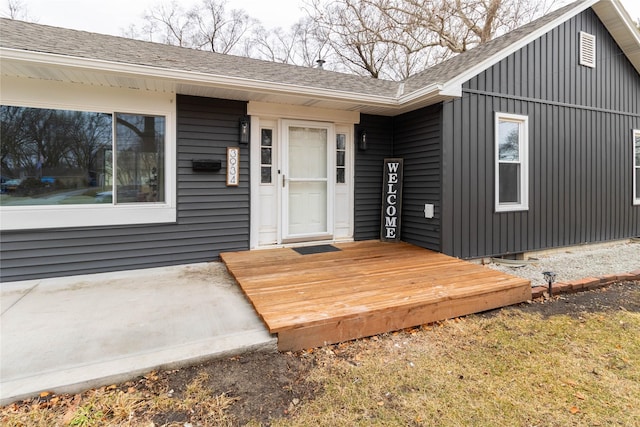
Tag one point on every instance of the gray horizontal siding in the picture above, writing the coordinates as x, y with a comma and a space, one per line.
368, 174
418, 140
580, 148
211, 217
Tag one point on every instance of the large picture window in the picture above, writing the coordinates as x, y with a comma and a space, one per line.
61, 157
85, 156
511, 185
636, 167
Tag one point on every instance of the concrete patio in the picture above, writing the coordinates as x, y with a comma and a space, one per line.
69, 334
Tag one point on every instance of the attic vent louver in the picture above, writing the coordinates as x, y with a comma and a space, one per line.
587, 50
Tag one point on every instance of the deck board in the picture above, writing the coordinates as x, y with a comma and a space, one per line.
365, 288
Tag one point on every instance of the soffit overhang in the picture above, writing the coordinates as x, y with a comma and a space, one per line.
97, 72
83, 71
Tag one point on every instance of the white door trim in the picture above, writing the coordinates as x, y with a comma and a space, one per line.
285, 235
341, 210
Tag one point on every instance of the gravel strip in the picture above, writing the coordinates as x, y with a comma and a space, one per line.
578, 263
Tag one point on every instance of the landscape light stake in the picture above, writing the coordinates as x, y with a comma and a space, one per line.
550, 277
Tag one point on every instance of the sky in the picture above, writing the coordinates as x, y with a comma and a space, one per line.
115, 16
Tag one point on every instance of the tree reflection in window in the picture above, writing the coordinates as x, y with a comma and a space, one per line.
139, 156
54, 157
341, 158
266, 154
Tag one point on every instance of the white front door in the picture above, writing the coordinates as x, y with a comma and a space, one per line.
301, 181
307, 190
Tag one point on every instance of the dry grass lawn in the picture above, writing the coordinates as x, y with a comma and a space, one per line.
512, 367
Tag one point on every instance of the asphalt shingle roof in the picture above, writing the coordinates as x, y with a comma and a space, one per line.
81, 44
453, 67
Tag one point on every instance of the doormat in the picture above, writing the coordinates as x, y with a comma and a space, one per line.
319, 249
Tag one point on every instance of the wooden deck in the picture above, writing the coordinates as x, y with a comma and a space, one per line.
364, 289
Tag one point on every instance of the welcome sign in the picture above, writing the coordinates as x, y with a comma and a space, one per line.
391, 200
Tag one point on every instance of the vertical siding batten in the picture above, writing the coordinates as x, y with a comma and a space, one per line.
368, 174
417, 139
580, 122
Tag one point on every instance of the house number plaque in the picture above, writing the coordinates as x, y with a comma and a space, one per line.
233, 166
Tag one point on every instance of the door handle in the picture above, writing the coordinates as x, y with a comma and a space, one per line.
284, 179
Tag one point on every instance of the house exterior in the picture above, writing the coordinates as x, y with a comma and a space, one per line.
147, 155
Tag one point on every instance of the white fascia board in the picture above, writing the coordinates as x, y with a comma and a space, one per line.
452, 90
423, 95
622, 28
627, 22
190, 77
482, 66
301, 112
626, 34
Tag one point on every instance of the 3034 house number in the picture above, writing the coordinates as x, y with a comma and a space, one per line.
233, 166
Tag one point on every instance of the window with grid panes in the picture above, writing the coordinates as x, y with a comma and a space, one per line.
266, 156
341, 158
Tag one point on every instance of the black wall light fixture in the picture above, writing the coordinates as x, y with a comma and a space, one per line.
362, 141
244, 130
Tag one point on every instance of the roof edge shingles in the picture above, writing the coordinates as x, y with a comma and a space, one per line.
23, 36
454, 67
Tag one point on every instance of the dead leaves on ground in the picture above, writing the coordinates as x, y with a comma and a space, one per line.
116, 404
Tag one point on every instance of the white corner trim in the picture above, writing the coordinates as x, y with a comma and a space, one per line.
636, 185
430, 91
452, 89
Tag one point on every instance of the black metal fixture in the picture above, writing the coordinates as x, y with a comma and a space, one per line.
362, 141
550, 277
206, 165
244, 130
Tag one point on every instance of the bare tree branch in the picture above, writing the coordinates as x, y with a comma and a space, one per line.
17, 9
396, 38
389, 39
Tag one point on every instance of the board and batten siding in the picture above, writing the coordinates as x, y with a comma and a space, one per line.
580, 147
417, 139
368, 174
211, 217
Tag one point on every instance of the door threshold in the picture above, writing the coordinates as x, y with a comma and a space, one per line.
291, 244
308, 240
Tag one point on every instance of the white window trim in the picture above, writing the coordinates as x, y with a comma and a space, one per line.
523, 147
48, 94
348, 185
636, 184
